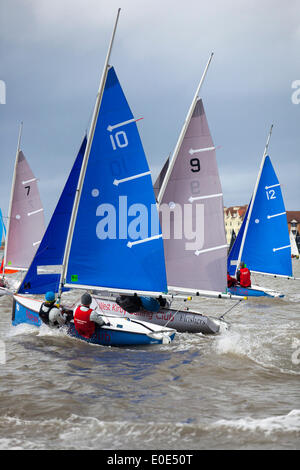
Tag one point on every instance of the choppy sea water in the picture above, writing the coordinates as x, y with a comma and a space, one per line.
236, 390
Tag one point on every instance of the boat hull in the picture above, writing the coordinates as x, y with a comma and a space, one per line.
112, 337
184, 321
253, 291
119, 332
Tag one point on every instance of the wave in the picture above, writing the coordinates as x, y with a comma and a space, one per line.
89, 433
271, 348
289, 423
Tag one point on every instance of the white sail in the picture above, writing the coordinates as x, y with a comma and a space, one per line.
190, 187
25, 227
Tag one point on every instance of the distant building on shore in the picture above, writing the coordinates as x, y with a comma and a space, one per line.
233, 218
293, 219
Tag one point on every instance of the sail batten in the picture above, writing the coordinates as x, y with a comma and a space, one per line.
276, 215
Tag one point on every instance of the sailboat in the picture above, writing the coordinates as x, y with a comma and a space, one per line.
25, 226
101, 250
263, 241
188, 189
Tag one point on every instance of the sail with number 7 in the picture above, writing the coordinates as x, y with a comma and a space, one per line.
25, 226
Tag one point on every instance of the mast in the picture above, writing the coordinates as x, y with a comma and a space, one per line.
12, 194
253, 199
182, 134
86, 158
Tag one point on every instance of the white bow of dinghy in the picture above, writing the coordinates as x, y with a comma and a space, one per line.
163, 335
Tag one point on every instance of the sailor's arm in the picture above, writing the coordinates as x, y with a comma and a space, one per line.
97, 318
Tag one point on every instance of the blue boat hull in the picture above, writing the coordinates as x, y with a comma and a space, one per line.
252, 292
106, 337
117, 334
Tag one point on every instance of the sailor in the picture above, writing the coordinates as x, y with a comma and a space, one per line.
244, 275
2, 282
231, 281
50, 312
85, 318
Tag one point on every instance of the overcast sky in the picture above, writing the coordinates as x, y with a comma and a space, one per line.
51, 58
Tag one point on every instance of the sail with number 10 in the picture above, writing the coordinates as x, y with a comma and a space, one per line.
116, 241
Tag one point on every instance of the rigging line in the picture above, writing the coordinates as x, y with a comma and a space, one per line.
227, 311
173, 316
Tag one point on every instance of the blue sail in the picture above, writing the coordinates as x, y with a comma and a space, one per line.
52, 246
117, 241
267, 245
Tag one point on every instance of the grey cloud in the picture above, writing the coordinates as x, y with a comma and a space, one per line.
52, 55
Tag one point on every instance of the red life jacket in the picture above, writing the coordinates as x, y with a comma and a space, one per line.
245, 280
231, 281
84, 326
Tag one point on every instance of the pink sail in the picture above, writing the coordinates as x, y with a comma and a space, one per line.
26, 218
195, 243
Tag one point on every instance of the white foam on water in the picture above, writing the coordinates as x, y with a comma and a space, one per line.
273, 347
77, 432
289, 423
41, 331
232, 342
21, 329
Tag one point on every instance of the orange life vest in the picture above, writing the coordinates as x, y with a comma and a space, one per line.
84, 326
